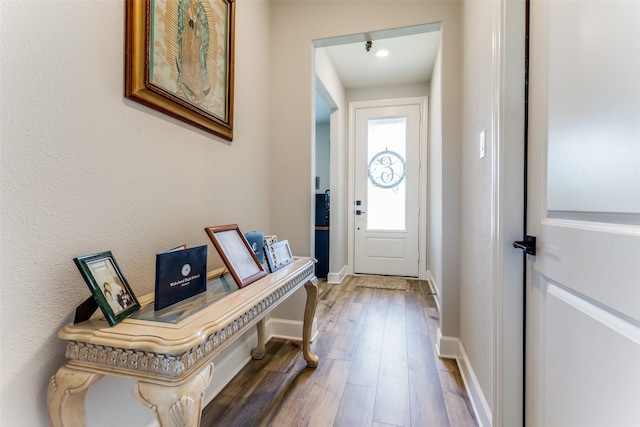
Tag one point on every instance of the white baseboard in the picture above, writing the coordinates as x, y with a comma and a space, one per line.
447, 347
435, 289
336, 278
288, 329
452, 348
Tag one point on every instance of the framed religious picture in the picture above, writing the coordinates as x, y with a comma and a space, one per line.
179, 60
108, 286
236, 253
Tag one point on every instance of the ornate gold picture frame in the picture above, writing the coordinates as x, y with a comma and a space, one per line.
179, 60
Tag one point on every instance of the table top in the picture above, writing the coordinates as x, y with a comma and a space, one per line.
200, 321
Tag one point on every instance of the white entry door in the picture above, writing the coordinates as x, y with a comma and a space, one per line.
583, 289
386, 211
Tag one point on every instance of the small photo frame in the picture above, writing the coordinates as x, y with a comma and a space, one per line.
278, 255
108, 286
269, 239
235, 251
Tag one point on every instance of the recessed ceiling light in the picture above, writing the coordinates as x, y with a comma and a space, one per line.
382, 53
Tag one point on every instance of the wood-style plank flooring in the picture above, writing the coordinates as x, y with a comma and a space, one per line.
377, 367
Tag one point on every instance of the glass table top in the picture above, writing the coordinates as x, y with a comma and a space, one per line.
216, 290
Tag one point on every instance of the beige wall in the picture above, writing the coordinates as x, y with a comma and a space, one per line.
435, 175
322, 156
476, 296
328, 82
84, 170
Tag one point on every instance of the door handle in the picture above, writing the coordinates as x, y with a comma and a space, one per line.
359, 212
528, 245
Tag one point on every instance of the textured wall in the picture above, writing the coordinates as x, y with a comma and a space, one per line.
84, 170
476, 289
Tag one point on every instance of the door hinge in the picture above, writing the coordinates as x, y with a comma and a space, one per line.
528, 245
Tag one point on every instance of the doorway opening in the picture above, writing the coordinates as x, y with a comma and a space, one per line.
348, 69
322, 181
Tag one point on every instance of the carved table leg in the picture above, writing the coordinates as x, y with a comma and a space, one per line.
309, 313
65, 396
177, 406
260, 350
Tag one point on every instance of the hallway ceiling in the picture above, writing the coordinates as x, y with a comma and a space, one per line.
412, 55
410, 61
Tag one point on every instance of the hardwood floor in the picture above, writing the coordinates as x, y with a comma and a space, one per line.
377, 367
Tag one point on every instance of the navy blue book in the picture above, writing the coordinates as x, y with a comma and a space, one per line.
180, 274
256, 241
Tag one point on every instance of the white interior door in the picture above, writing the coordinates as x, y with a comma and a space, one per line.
387, 170
583, 290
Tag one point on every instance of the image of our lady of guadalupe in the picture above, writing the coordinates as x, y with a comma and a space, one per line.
193, 47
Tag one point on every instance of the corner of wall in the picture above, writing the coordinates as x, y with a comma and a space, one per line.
337, 278
435, 290
452, 348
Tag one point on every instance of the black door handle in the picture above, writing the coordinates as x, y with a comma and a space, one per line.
528, 245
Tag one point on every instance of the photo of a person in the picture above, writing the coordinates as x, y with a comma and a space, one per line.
116, 296
111, 285
110, 297
108, 285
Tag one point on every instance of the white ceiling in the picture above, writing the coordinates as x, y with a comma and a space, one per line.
410, 60
412, 54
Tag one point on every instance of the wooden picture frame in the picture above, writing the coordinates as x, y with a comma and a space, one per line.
180, 60
236, 253
278, 255
108, 286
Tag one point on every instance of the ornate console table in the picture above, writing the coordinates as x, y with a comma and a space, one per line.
170, 352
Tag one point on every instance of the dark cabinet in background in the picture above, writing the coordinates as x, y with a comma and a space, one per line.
322, 234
